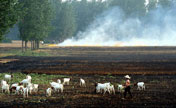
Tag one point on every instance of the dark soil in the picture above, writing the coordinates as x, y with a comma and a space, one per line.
156, 66
160, 92
97, 60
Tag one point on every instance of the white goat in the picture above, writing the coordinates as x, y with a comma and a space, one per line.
111, 89
5, 87
102, 87
58, 87
25, 92
82, 82
48, 92
13, 86
140, 86
35, 88
66, 81
25, 81
29, 78
59, 81
30, 88
53, 83
120, 88
19, 90
3, 82
8, 77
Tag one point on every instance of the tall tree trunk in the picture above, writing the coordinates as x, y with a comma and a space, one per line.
34, 45
22, 46
38, 44
31, 45
25, 45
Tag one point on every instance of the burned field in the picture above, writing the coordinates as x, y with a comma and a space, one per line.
156, 66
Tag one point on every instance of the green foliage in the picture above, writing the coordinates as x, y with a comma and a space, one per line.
130, 7
137, 8
165, 3
72, 17
61, 20
67, 21
35, 24
64, 25
82, 13
86, 12
36, 78
9, 15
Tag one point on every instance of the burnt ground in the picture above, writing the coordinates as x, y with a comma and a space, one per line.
160, 92
153, 65
96, 60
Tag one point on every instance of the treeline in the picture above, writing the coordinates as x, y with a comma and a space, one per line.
73, 16
8, 15
33, 18
55, 21
35, 24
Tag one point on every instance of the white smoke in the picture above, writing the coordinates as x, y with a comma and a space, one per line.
111, 28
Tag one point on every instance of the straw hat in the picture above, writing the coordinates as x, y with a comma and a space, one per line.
127, 76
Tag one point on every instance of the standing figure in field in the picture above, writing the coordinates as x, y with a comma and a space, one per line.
127, 86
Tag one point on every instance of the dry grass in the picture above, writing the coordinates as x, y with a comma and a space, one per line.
7, 60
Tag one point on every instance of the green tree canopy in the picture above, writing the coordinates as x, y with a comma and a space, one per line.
130, 7
9, 14
36, 23
64, 24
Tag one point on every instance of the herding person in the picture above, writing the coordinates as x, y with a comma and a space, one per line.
127, 87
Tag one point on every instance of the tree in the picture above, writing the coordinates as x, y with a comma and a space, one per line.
36, 23
130, 7
165, 3
56, 6
86, 12
73, 16
67, 21
64, 22
9, 10
24, 23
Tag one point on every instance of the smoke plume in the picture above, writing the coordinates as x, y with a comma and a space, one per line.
112, 28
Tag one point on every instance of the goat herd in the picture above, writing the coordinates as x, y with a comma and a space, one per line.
25, 87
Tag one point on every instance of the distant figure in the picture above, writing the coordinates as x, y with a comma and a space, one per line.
127, 86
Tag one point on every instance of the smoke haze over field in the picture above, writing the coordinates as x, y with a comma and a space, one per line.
111, 28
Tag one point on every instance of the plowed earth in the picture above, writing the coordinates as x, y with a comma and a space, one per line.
156, 66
